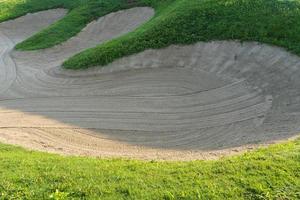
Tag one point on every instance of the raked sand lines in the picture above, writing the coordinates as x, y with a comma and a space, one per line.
181, 102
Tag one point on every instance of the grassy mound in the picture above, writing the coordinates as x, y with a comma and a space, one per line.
271, 173
81, 12
176, 22
188, 21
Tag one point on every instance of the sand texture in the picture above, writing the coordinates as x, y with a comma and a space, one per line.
200, 101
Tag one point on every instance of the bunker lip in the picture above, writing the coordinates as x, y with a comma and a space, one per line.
190, 102
92, 145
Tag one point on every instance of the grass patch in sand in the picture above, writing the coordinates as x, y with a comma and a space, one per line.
10, 9
274, 22
81, 12
269, 173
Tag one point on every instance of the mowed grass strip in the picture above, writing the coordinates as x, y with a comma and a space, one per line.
269, 173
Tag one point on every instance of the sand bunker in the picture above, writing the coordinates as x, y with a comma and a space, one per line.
182, 102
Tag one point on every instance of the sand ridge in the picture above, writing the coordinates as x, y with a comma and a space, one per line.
200, 101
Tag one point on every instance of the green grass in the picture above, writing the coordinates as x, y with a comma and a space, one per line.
81, 12
10, 9
269, 173
274, 22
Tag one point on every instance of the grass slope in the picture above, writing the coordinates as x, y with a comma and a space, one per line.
188, 21
10, 9
81, 12
271, 173
274, 22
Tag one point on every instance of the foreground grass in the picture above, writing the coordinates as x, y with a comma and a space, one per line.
272, 173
